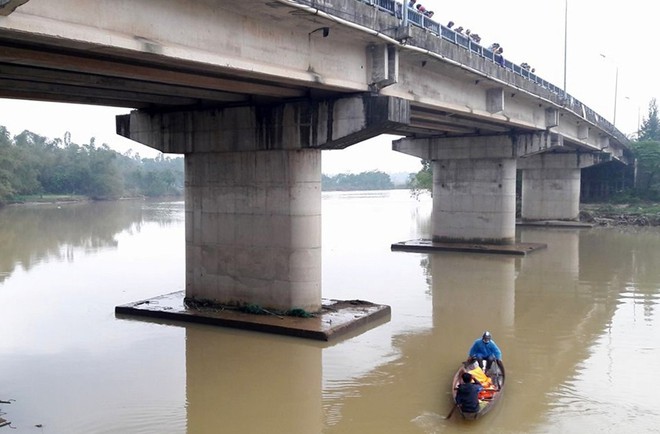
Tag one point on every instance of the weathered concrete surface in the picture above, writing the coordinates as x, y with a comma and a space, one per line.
474, 201
551, 185
330, 123
519, 249
484, 146
337, 318
253, 228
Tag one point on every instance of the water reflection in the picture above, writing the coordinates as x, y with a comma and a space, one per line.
241, 382
626, 257
576, 322
35, 233
608, 391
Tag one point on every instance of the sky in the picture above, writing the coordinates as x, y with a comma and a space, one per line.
604, 38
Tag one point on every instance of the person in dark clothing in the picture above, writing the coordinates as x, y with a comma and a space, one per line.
467, 395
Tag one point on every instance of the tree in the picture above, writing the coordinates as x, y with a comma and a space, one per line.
32, 164
373, 180
422, 180
6, 166
650, 128
647, 154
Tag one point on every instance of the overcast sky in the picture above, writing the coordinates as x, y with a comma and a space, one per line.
603, 36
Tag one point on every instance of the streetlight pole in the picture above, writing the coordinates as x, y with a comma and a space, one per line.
565, 39
616, 87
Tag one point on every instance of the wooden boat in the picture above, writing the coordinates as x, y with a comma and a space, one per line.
497, 376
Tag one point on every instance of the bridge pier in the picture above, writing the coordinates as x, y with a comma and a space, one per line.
474, 187
551, 185
253, 200
253, 228
474, 200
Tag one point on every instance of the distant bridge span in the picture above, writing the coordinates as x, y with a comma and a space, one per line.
252, 91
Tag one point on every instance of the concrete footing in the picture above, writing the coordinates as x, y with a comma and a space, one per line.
337, 317
555, 224
520, 249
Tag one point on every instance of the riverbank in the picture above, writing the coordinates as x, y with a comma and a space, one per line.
607, 214
38, 199
72, 199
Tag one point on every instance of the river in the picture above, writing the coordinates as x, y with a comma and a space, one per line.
578, 324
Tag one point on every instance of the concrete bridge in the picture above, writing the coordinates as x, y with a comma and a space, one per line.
251, 92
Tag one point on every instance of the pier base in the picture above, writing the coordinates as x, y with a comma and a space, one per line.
423, 245
337, 317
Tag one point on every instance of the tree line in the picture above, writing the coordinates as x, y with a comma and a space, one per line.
31, 164
647, 154
372, 180
645, 173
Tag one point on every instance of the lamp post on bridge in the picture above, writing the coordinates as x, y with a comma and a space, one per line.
616, 87
565, 40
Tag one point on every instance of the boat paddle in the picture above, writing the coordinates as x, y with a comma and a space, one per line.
452, 411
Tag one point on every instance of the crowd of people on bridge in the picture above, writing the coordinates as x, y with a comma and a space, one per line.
412, 4
495, 47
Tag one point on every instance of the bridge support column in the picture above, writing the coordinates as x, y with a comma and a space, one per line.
474, 186
253, 191
474, 200
253, 228
551, 186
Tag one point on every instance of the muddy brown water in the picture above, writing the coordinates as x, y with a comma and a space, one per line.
578, 324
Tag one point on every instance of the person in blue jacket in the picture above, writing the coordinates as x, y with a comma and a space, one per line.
467, 394
486, 349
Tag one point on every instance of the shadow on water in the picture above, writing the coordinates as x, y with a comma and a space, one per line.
31, 234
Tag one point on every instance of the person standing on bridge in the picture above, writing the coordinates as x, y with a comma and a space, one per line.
486, 349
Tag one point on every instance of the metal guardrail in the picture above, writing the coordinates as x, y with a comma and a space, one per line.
415, 18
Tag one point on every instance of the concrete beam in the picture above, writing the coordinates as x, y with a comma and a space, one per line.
569, 160
583, 132
384, 65
468, 147
495, 100
551, 117
319, 124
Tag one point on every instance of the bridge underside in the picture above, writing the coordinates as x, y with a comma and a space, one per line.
252, 121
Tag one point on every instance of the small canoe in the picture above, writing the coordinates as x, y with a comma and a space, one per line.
496, 374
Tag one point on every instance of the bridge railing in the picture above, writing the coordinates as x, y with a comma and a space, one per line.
420, 20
